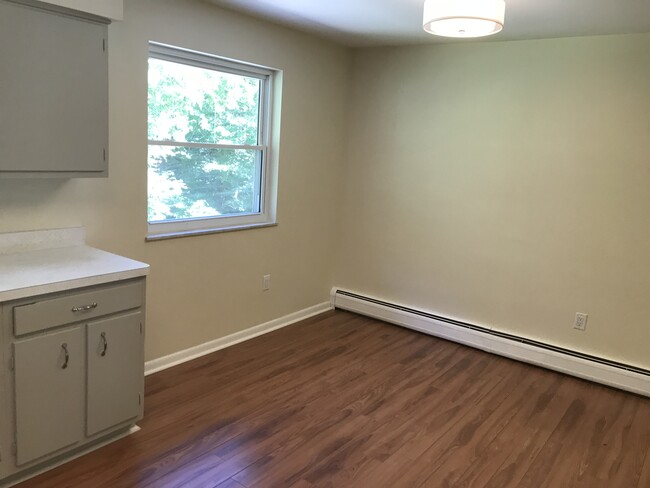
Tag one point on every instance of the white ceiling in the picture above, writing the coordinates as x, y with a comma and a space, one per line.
393, 22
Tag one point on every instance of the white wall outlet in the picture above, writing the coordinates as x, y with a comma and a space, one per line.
266, 282
581, 321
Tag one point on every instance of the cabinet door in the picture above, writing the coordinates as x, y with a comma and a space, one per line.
53, 92
115, 371
49, 396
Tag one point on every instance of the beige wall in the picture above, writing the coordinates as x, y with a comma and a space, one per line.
506, 184
202, 288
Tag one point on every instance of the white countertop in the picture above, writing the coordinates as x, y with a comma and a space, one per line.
35, 272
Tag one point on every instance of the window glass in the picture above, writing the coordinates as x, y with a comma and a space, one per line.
192, 104
194, 182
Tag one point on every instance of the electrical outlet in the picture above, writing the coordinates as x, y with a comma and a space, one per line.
266, 282
581, 321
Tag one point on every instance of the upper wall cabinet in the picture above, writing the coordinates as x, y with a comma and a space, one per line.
53, 92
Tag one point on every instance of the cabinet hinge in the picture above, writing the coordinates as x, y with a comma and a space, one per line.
12, 363
104, 154
141, 329
104, 45
139, 399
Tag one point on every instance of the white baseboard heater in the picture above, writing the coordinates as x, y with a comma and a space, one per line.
599, 370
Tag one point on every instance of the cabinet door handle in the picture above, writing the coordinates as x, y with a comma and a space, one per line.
84, 308
105, 344
64, 346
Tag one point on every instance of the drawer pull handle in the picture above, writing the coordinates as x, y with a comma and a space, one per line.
64, 346
105, 343
84, 308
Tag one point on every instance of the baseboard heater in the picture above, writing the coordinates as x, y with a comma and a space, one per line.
593, 368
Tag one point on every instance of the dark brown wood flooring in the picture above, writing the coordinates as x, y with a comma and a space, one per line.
342, 400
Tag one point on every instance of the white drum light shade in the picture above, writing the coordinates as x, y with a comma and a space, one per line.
464, 18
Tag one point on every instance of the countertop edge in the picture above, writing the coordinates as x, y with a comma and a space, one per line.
54, 287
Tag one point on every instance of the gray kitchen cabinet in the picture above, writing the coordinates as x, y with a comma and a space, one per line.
49, 380
74, 375
53, 91
114, 357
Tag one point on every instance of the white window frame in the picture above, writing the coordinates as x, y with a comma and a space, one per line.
268, 188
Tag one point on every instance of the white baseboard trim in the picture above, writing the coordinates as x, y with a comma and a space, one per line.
180, 357
557, 361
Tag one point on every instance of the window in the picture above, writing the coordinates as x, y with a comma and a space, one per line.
209, 131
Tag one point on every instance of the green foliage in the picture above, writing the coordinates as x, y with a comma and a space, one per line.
195, 105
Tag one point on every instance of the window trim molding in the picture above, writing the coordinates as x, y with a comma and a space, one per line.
204, 232
268, 138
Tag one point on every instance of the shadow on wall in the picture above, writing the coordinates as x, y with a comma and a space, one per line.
19, 195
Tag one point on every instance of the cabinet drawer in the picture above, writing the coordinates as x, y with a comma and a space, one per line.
75, 307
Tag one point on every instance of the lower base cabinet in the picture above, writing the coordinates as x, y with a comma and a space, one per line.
74, 383
114, 353
49, 388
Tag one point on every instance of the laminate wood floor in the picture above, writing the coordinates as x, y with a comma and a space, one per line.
342, 400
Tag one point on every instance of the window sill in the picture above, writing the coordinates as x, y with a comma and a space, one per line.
203, 232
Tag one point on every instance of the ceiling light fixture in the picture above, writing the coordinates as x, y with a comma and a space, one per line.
464, 18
